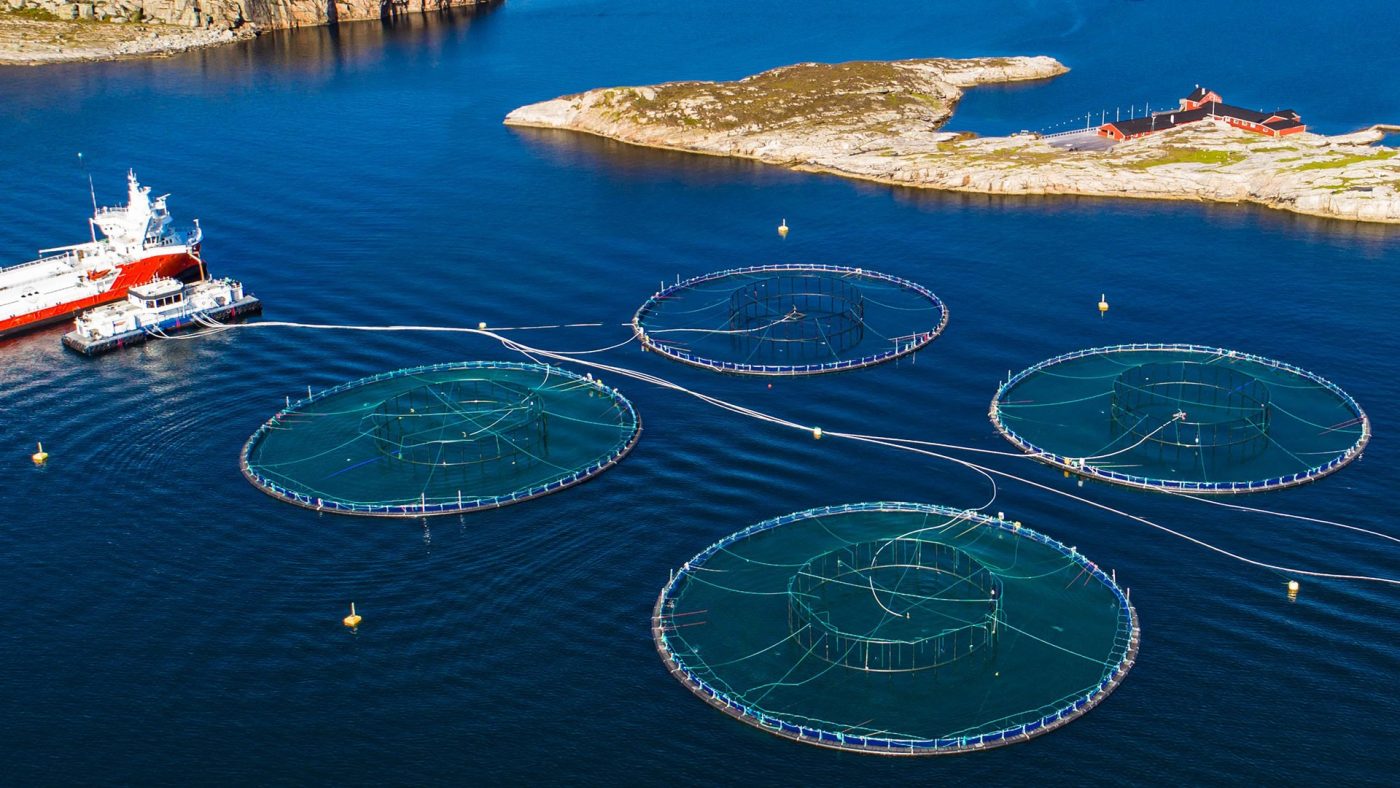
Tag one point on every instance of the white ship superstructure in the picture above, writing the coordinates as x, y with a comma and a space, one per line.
157, 309
137, 245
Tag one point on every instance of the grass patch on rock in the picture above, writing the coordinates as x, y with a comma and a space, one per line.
1346, 161
35, 14
830, 94
1177, 155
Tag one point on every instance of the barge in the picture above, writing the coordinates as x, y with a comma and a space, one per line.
158, 309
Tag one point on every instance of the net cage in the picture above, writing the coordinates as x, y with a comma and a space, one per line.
896, 629
789, 319
1181, 417
441, 439
924, 577
1229, 409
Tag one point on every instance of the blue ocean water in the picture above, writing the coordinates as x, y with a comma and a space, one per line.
166, 623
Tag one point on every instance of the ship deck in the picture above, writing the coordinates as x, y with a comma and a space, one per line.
88, 346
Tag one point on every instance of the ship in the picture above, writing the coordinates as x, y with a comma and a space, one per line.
158, 309
136, 247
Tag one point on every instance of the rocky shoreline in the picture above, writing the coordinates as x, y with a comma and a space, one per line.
38, 32
882, 121
39, 42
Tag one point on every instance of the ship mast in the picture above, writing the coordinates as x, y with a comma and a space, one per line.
92, 192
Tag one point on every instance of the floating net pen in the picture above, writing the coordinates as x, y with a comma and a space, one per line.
1181, 417
896, 629
789, 319
441, 439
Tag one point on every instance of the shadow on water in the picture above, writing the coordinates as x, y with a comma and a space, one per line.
292, 55
570, 149
337, 45
1368, 239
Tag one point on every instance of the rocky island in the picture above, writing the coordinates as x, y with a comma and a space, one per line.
883, 121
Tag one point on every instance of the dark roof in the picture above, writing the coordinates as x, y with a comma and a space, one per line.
1159, 122
1290, 118
1130, 127
1229, 111
1198, 94
1162, 121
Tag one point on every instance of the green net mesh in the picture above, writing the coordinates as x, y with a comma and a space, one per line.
1181, 417
441, 439
896, 628
789, 319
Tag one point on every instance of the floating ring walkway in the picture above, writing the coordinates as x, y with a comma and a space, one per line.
441, 439
789, 319
896, 629
1183, 418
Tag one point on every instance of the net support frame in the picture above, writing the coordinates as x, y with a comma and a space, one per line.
426, 508
909, 345
1079, 467
1129, 633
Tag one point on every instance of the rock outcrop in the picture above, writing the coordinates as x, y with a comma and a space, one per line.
882, 121
35, 32
230, 14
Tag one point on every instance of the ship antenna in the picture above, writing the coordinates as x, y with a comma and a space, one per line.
92, 192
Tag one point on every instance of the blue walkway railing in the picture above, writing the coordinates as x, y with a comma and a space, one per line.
915, 342
1004, 730
1075, 465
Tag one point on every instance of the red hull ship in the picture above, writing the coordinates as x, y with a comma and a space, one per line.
137, 246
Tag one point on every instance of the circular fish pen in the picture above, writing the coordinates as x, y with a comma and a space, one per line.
1184, 418
896, 629
441, 439
789, 319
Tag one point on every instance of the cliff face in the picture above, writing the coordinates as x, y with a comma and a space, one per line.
224, 14
881, 121
300, 13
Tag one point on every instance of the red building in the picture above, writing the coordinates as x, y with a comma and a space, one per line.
1201, 105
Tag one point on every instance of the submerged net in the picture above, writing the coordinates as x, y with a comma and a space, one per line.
441, 439
475, 424
830, 612
1181, 417
790, 319
896, 628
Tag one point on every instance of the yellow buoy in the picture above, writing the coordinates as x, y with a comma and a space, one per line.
481, 326
40, 457
352, 620
817, 433
783, 229
1103, 303
1292, 590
